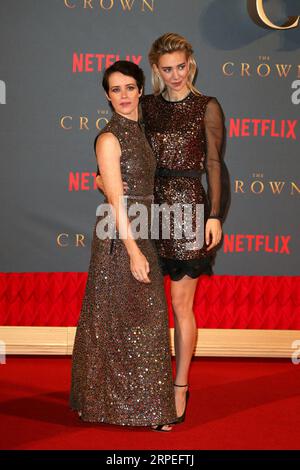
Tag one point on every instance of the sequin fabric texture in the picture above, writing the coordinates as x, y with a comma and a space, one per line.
121, 367
186, 135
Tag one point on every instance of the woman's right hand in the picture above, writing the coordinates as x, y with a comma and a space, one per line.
100, 185
139, 267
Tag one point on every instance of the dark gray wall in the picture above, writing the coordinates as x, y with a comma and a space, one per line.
38, 40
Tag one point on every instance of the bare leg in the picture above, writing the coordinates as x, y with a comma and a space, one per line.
182, 293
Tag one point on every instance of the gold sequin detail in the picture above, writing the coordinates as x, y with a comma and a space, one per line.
121, 368
185, 135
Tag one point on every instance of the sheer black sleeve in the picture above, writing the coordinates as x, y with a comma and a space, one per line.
214, 130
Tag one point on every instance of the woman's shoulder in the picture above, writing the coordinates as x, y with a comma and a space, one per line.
106, 135
202, 97
210, 99
150, 106
212, 110
148, 100
208, 102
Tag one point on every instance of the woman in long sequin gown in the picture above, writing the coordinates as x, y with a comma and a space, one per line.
121, 367
185, 130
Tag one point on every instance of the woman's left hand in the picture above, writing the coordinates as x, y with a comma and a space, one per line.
213, 233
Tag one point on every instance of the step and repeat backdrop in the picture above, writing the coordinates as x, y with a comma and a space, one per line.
53, 55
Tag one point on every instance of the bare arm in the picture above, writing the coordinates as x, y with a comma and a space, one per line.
100, 185
108, 154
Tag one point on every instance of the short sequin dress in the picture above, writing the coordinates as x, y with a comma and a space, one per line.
121, 367
186, 137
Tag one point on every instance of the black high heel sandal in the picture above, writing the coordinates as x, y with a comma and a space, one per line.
181, 418
159, 428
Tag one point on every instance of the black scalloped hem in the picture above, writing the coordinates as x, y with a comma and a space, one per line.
193, 268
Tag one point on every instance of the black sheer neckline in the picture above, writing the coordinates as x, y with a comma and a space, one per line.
177, 101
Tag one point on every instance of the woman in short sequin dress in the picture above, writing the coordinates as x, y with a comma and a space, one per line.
121, 369
185, 130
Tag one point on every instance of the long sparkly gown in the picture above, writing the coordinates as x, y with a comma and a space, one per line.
121, 367
186, 137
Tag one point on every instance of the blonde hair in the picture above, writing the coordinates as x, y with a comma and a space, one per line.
166, 44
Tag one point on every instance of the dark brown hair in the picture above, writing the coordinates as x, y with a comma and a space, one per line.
126, 68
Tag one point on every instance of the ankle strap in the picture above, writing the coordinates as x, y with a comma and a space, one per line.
176, 385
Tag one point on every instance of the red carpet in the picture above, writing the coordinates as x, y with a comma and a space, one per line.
234, 404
